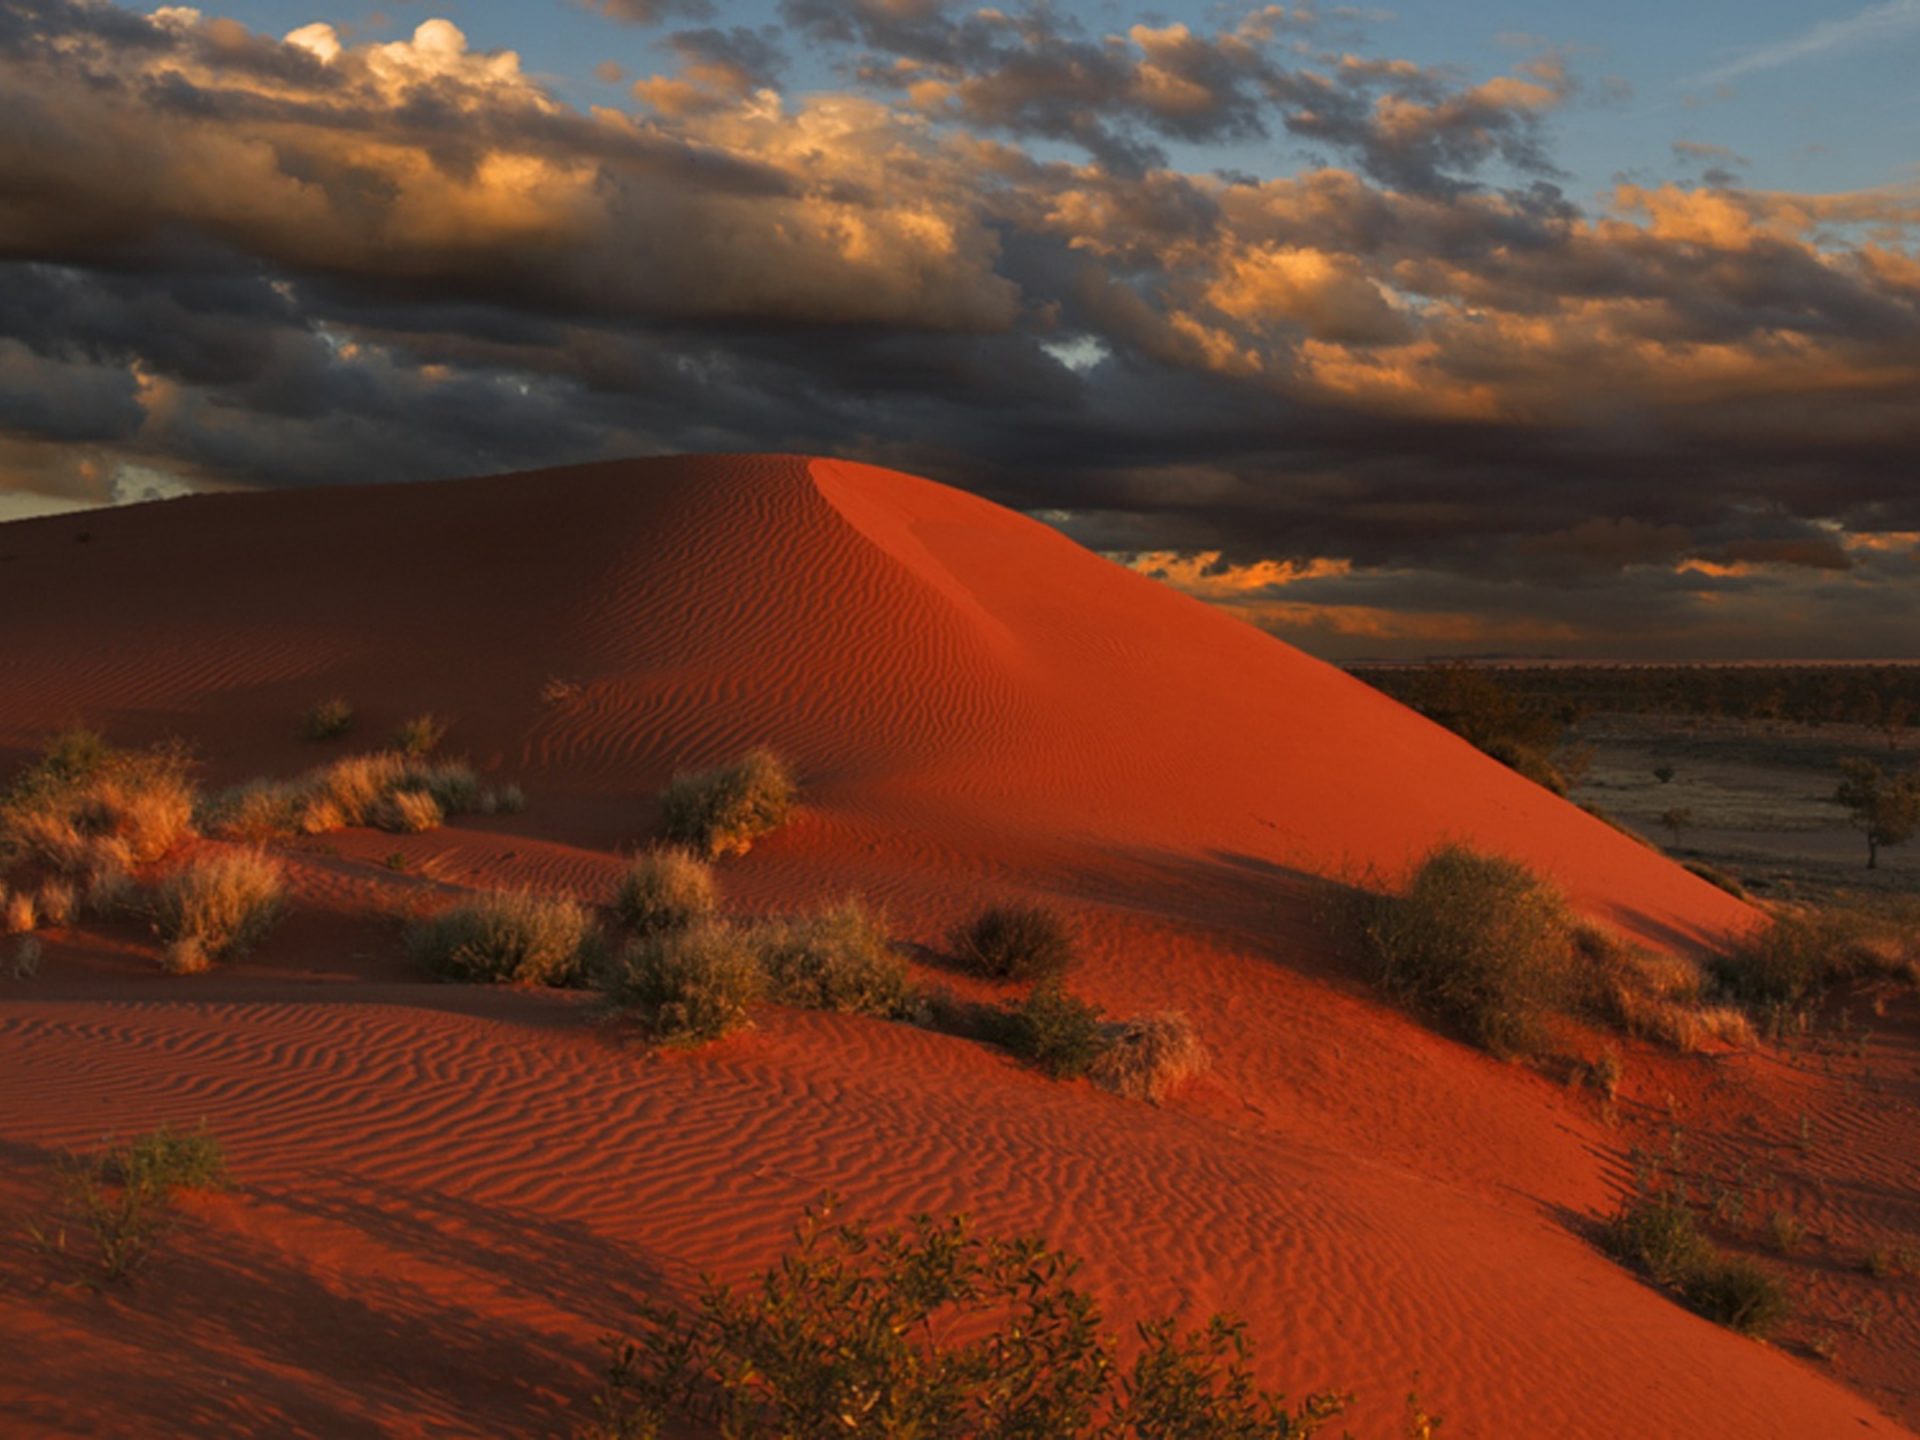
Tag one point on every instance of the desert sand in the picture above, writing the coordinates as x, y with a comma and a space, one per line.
447, 1193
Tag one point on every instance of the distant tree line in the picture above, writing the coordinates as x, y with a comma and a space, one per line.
1883, 697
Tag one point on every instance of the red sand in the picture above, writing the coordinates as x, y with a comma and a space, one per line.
448, 1193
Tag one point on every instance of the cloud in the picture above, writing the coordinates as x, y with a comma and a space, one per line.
1409, 377
1879, 24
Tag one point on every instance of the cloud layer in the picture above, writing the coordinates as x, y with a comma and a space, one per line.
1407, 390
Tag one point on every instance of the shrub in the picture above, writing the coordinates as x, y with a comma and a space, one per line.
932, 1330
1055, 1031
1659, 1235
26, 958
329, 719
116, 1204
1149, 1057
1784, 1233
840, 959
419, 736
57, 903
85, 805
254, 812
1015, 942
723, 811
1800, 953
217, 906
18, 916
688, 985
408, 812
510, 937
1476, 940
666, 888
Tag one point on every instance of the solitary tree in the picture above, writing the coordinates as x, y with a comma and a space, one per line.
1677, 820
1664, 773
1886, 807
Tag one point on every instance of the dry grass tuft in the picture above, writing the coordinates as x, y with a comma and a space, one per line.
510, 937
1151, 1056
1016, 942
86, 806
384, 788
329, 719
420, 736
686, 986
840, 959
723, 811
58, 903
18, 915
408, 812
217, 906
666, 888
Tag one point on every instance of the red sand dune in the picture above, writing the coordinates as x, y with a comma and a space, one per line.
448, 1193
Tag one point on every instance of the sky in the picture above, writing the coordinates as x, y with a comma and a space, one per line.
1475, 328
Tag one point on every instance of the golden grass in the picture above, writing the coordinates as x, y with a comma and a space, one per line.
217, 906
1151, 1056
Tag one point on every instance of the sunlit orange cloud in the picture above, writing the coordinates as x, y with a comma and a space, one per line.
1693, 565
1366, 622
1203, 575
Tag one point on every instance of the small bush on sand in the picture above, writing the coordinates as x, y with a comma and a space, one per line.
665, 888
931, 1330
329, 719
1149, 1057
840, 959
1802, 952
686, 986
1476, 940
115, 1205
255, 812
18, 914
408, 812
723, 811
57, 903
1015, 942
217, 906
419, 736
1659, 1235
1652, 994
1055, 1031
510, 937
86, 805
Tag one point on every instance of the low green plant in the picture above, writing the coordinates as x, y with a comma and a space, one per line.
1477, 940
510, 937
217, 906
1015, 942
1054, 1031
932, 1330
838, 959
329, 719
723, 811
686, 986
1658, 1234
665, 888
114, 1205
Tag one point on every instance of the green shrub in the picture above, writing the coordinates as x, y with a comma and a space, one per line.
931, 1330
665, 888
419, 736
1149, 1057
685, 986
115, 1205
840, 959
1055, 1031
217, 906
723, 811
329, 719
1659, 1235
1476, 940
509, 937
1015, 942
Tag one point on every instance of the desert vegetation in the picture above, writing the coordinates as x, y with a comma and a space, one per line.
665, 888
510, 937
1658, 1234
839, 959
723, 811
419, 736
687, 986
387, 789
86, 807
216, 906
1885, 808
932, 1329
1015, 942
113, 1206
329, 719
